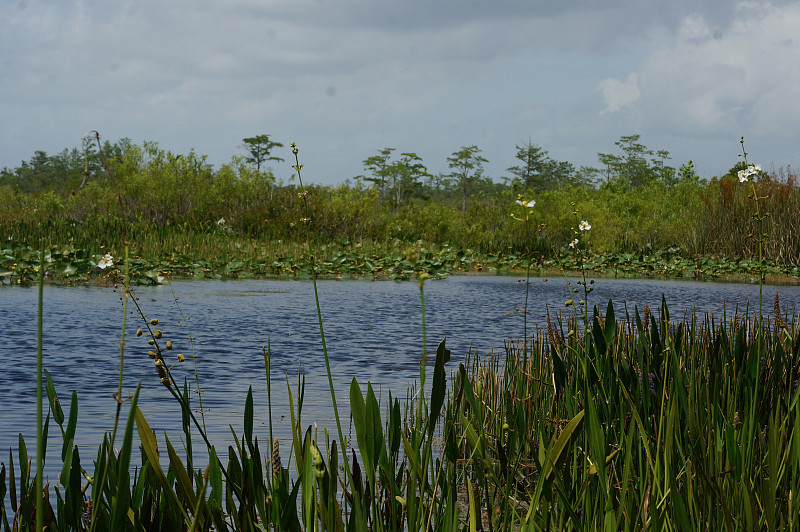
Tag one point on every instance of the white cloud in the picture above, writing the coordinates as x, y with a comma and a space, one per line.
619, 94
346, 77
736, 79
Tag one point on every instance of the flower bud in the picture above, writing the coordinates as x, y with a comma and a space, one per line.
154, 321
157, 334
138, 332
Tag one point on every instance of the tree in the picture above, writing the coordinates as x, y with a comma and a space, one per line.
405, 176
259, 148
539, 172
632, 167
379, 166
467, 167
398, 178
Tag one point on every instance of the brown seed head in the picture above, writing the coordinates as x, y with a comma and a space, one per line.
276, 457
778, 319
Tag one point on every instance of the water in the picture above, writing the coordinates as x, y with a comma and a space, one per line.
373, 332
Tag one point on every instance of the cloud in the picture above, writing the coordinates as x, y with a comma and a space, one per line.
736, 78
347, 77
619, 94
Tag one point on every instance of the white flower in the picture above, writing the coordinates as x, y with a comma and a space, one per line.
584, 226
527, 204
221, 222
745, 174
573, 243
105, 261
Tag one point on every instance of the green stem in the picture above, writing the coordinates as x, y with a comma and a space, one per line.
118, 395
306, 221
194, 355
40, 443
424, 327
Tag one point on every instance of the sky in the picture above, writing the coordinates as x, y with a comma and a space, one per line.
346, 78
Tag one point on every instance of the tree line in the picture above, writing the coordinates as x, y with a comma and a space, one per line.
634, 199
397, 176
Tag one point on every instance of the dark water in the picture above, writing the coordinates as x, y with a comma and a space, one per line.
373, 332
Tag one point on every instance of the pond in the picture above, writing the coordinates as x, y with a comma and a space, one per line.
373, 332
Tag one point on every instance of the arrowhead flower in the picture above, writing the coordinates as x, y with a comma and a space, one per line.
105, 261
573, 243
584, 226
527, 204
744, 175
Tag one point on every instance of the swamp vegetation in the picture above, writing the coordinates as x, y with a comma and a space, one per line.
181, 216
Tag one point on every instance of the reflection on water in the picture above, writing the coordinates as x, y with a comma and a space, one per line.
373, 332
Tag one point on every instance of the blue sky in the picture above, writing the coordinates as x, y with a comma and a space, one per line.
345, 78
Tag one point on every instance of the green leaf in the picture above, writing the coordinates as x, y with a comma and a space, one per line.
52, 397
558, 452
122, 499
248, 417
69, 435
149, 446
610, 325
184, 483
439, 385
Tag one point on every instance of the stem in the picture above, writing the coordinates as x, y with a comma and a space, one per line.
760, 240
267, 368
424, 332
118, 395
306, 221
525, 312
194, 355
39, 429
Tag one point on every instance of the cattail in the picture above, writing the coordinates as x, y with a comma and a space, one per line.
555, 337
778, 319
276, 457
647, 318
